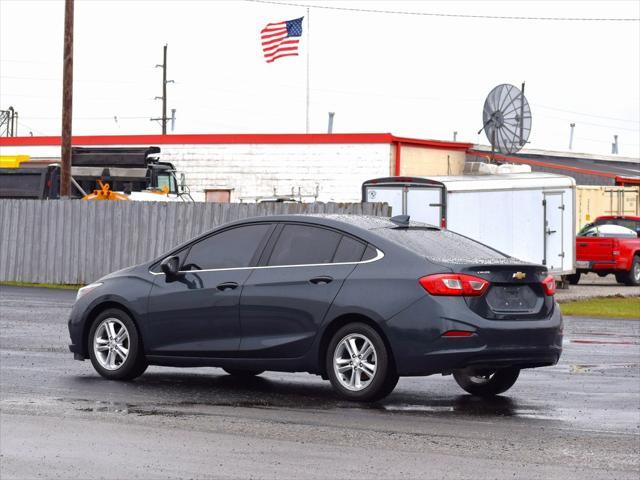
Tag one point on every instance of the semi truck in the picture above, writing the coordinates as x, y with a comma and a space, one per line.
134, 173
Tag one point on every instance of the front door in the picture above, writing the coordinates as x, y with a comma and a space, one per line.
553, 234
197, 314
285, 301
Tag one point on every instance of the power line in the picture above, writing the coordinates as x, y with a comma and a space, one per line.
448, 15
587, 114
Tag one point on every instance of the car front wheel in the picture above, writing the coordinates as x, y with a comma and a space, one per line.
114, 346
486, 383
358, 364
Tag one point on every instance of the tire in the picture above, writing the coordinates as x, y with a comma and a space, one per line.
101, 343
499, 382
574, 279
632, 277
368, 378
237, 372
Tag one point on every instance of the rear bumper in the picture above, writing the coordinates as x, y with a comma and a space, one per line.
621, 264
494, 344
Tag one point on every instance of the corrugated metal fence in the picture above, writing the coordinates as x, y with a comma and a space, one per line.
76, 242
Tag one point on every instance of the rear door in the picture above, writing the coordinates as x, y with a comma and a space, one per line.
285, 300
553, 230
425, 204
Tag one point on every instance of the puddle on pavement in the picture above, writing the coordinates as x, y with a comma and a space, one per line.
600, 368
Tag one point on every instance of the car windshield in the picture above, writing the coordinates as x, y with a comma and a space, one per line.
443, 246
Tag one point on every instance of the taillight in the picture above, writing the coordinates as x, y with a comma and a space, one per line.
549, 285
454, 284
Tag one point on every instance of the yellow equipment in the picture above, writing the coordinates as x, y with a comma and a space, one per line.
13, 161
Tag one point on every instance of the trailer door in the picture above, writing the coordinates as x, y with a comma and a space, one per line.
553, 230
425, 204
391, 195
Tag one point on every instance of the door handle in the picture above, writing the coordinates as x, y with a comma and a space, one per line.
583, 244
227, 286
323, 280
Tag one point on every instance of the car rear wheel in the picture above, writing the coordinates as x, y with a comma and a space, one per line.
632, 277
237, 372
114, 346
486, 383
358, 364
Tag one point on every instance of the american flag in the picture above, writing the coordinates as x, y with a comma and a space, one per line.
281, 39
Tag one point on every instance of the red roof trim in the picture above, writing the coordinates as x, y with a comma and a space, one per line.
267, 138
538, 163
440, 144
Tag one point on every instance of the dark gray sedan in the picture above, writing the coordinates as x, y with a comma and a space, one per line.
357, 300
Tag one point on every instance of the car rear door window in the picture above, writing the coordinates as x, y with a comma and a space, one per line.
304, 245
349, 250
233, 248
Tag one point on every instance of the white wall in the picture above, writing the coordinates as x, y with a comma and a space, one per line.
255, 170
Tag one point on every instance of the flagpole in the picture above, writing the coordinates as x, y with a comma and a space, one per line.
308, 48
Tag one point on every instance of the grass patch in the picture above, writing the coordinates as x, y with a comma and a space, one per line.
41, 285
614, 307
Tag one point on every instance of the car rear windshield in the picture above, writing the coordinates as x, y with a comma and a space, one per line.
443, 246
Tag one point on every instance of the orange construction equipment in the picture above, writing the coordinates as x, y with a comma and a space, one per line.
105, 193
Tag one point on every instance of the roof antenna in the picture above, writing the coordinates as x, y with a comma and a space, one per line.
401, 220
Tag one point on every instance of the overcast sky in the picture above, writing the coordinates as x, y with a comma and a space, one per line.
411, 75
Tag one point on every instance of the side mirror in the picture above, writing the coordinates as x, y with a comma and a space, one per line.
171, 266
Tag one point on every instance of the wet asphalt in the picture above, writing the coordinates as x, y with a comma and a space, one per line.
58, 419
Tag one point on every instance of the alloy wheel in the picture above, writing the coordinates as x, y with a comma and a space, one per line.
111, 343
355, 362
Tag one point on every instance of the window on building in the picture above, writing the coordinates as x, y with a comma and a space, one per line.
217, 195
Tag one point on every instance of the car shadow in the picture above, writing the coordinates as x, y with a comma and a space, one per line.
190, 390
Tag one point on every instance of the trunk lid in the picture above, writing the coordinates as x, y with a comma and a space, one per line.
515, 291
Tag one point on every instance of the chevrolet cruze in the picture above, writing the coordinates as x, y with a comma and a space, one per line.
357, 300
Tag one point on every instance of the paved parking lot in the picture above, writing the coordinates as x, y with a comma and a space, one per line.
577, 420
591, 285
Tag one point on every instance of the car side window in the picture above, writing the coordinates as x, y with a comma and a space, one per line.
349, 250
233, 248
304, 245
370, 253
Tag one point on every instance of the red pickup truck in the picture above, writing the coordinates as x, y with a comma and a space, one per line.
611, 244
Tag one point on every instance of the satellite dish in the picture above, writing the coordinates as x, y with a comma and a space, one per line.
506, 119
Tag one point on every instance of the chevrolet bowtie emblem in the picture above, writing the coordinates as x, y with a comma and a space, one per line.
519, 275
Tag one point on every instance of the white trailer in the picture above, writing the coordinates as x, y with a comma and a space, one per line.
530, 216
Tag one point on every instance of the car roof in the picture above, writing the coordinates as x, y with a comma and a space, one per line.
363, 222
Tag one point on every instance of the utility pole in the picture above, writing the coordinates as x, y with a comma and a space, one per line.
163, 121
67, 100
